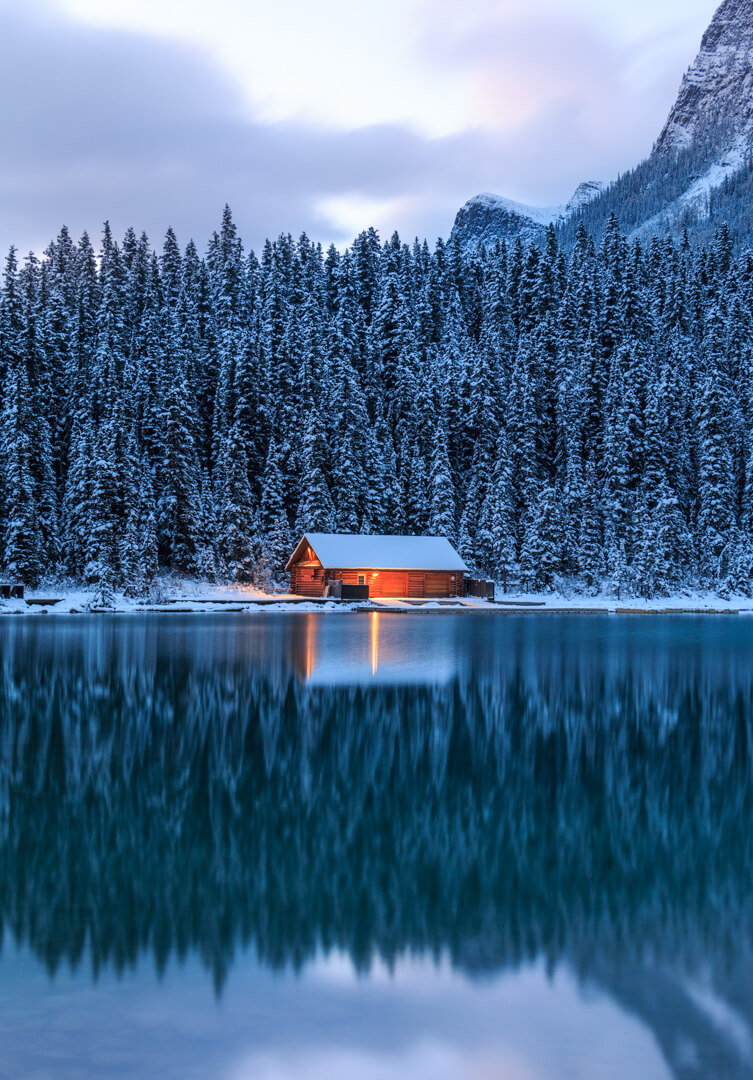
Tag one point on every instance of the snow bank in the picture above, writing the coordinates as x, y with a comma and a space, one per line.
687, 602
176, 596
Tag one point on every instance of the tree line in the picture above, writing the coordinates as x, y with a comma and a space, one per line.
577, 414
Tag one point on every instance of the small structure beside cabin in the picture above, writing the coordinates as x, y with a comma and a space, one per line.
394, 566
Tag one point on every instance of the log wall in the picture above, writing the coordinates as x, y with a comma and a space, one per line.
417, 584
307, 580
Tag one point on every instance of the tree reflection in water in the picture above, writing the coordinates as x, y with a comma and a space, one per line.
577, 790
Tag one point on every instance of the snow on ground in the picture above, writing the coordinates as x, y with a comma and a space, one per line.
169, 595
185, 595
188, 588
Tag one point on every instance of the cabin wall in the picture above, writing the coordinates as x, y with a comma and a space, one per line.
307, 581
414, 584
350, 577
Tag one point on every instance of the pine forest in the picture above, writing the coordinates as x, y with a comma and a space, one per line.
571, 417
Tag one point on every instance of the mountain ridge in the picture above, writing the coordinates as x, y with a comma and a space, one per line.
488, 217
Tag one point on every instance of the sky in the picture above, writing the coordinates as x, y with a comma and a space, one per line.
323, 116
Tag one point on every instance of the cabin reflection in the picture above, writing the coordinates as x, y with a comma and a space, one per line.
378, 648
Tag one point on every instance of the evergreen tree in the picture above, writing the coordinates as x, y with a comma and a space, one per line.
442, 510
540, 559
235, 507
139, 546
715, 478
22, 541
275, 538
316, 511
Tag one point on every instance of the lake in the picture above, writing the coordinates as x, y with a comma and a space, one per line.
319, 847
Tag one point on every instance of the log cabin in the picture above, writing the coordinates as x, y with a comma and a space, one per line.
394, 566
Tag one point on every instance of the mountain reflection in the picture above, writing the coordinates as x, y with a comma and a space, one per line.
571, 790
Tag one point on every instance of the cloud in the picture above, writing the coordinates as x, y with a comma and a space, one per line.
570, 96
145, 131
429, 1061
148, 131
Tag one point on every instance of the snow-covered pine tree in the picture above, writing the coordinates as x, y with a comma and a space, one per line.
22, 549
139, 545
442, 511
716, 517
540, 554
498, 526
236, 512
275, 542
177, 468
316, 511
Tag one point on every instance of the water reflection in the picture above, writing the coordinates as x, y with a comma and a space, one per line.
498, 793
379, 648
419, 1021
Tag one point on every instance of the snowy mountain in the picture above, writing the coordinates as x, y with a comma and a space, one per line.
583, 195
716, 93
697, 176
486, 218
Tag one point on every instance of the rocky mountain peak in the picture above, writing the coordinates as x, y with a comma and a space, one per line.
584, 194
716, 94
486, 218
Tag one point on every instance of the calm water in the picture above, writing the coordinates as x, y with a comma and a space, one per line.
340, 847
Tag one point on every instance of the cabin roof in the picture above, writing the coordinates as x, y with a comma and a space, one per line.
351, 551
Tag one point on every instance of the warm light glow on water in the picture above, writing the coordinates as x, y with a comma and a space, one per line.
310, 645
380, 647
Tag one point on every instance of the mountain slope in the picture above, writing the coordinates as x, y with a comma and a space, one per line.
716, 94
486, 218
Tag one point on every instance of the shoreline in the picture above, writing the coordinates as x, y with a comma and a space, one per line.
183, 596
78, 604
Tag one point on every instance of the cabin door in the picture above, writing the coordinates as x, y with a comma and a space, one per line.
437, 585
393, 584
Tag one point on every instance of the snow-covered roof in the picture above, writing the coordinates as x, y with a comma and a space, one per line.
350, 551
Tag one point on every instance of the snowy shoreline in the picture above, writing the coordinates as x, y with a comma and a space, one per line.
190, 597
